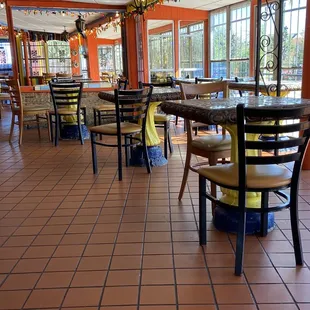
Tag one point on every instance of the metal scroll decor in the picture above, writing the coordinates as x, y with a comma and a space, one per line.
269, 46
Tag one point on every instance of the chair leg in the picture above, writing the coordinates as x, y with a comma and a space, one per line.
12, 127
185, 174
80, 128
196, 131
126, 151
264, 216
119, 154
295, 227
21, 128
240, 235
51, 127
48, 126
95, 117
99, 121
85, 115
176, 120
38, 126
202, 211
213, 162
169, 139
165, 140
146, 154
57, 125
94, 152
217, 129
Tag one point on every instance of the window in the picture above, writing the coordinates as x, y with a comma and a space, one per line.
161, 56
59, 59
191, 50
5, 57
218, 43
293, 39
37, 63
239, 41
118, 54
230, 41
106, 58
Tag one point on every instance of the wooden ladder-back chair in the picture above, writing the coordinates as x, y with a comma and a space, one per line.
19, 111
213, 147
131, 108
259, 173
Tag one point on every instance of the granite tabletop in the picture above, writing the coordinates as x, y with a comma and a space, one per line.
159, 94
223, 111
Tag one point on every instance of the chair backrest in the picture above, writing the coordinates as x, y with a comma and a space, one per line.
197, 90
66, 94
165, 84
62, 80
132, 105
239, 80
122, 84
209, 80
249, 122
16, 97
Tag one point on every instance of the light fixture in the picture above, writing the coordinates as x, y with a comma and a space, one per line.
141, 6
2, 5
117, 15
80, 26
65, 35
63, 13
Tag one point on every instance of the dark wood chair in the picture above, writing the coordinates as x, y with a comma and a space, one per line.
162, 120
67, 103
131, 108
107, 111
260, 173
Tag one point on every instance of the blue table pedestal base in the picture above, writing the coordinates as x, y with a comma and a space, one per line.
155, 155
71, 132
227, 220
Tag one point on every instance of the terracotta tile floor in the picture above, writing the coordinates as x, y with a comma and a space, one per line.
71, 240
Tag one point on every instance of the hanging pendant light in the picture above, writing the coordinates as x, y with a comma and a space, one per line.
141, 6
80, 26
65, 35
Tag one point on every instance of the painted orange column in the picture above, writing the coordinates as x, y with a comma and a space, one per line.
176, 48
75, 56
132, 54
12, 41
26, 55
145, 49
305, 93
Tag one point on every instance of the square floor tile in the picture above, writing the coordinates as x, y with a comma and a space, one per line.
300, 292
157, 295
55, 280
271, 293
195, 294
262, 275
233, 294
192, 276
81, 297
20, 281
49, 298
157, 277
123, 277
295, 275
13, 299
119, 296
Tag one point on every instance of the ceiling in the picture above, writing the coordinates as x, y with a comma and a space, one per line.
192, 4
55, 23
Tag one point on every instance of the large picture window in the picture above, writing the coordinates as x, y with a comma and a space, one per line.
191, 50
230, 41
59, 60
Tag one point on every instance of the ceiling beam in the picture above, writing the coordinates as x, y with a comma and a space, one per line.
57, 4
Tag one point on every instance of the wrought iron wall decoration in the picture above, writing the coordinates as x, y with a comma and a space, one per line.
269, 46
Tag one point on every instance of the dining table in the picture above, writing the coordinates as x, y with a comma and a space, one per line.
222, 112
159, 95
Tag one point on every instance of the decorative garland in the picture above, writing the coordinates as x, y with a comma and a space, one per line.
56, 12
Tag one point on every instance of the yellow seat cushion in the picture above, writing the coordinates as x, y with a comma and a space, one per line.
64, 111
33, 110
105, 107
259, 176
161, 118
111, 129
213, 143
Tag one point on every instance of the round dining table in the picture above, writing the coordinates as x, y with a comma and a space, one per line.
223, 112
159, 95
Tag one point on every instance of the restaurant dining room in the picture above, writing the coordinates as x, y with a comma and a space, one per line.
147, 148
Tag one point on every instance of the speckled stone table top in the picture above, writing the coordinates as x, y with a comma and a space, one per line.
250, 86
159, 94
223, 111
